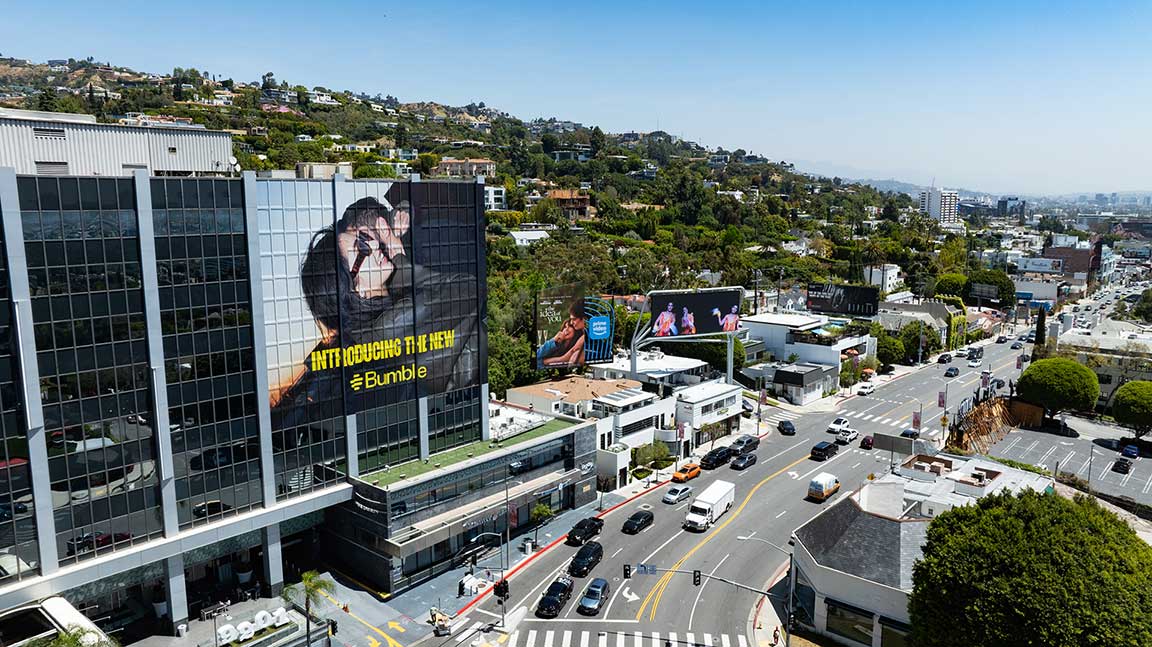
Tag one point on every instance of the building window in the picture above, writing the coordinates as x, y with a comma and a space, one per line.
893, 633
1104, 378
850, 622
172, 150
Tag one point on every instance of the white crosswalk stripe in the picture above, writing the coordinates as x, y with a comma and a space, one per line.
560, 638
464, 635
895, 423
885, 421
868, 417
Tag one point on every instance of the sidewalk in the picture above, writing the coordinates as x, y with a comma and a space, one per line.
765, 619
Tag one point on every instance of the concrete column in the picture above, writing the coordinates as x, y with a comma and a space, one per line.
174, 588
24, 350
485, 423
259, 339
160, 422
422, 418
353, 445
273, 558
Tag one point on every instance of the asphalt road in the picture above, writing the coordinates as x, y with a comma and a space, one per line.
647, 610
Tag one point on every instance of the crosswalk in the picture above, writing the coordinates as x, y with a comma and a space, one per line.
778, 415
474, 635
875, 418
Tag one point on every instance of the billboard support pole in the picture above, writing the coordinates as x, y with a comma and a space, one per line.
730, 345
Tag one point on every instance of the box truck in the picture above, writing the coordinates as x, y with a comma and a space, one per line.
714, 501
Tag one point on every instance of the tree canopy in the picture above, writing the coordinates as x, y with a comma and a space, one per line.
1033, 569
1059, 384
910, 338
1132, 406
951, 283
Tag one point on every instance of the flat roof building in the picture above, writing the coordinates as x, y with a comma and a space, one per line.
54, 143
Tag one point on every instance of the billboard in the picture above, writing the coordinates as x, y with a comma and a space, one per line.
373, 297
1044, 265
702, 312
858, 300
572, 328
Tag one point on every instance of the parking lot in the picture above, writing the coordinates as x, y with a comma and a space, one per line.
1089, 456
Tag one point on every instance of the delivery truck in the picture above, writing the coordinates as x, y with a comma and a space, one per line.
713, 502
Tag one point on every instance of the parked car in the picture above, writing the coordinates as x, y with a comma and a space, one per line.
746, 409
744, 444
639, 520
1001, 339
93, 540
594, 597
554, 598
677, 493
963, 352
10, 509
586, 559
1130, 451
1017, 345
210, 507
944, 359
744, 461
1122, 465
952, 372
838, 425
687, 472
865, 388
786, 428
824, 450
584, 530
716, 458
866, 442
847, 436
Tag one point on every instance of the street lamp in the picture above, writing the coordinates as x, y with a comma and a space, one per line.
503, 567
791, 584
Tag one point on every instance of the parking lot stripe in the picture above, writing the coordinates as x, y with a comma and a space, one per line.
1147, 486
1044, 458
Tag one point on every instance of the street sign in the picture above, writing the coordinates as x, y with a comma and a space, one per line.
944, 420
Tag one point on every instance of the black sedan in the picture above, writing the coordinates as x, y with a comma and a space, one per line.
952, 372
1122, 465
1017, 345
786, 428
944, 359
637, 522
744, 461
554, 598
584, 530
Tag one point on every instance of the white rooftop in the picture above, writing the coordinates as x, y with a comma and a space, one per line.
707, 391
531, 236
654, 364
790, 320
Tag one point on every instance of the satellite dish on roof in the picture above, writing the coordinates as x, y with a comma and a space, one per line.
232, 159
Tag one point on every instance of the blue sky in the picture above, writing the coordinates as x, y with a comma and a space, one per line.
1030, 97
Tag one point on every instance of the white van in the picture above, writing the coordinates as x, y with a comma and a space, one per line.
823, 486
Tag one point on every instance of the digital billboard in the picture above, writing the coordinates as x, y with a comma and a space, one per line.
703, 312
380, 299
572, 328
860, 300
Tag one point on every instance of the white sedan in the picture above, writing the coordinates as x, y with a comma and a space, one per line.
975, 363
838, 425
847, 435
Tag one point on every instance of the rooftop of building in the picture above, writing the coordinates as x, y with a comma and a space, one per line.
65, 118
626, 397
790, 320
1127, 343
654, 364
706, 391
478, 451
878, 532
576, 388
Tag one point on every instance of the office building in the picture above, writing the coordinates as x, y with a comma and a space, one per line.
1011, 207
56, 143
853, 562
198, 386
940, 205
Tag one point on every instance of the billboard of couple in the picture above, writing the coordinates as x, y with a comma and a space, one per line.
388, 324
572, 329
685, 314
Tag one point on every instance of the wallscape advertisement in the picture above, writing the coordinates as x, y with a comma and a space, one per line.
386, 286
572, 329
688, 314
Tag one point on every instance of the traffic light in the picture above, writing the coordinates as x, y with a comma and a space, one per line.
627, 571
696, 578
501, 589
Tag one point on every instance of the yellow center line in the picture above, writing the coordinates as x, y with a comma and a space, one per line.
662, 584
392, 642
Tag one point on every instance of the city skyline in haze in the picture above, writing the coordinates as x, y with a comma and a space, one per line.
1032, 98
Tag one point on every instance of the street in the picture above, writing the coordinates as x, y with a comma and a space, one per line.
770, 502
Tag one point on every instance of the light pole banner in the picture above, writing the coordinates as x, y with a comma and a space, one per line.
916, 420
941, 400
1019, 362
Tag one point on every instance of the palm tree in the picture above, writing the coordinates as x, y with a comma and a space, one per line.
76, 636
311, 588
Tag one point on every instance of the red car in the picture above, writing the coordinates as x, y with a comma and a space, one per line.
866, 442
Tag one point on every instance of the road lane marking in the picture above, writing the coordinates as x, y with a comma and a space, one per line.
656, 639
551, 576
689, 639
617, 552
724, 641
657, 591
608, 609
512, 639
707, 640
672, 638
531, 638
683, 506
784, 512
548, 639
583, 639
566, 639
741, 640
639, 639
390, 641
468, 634
699, 593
